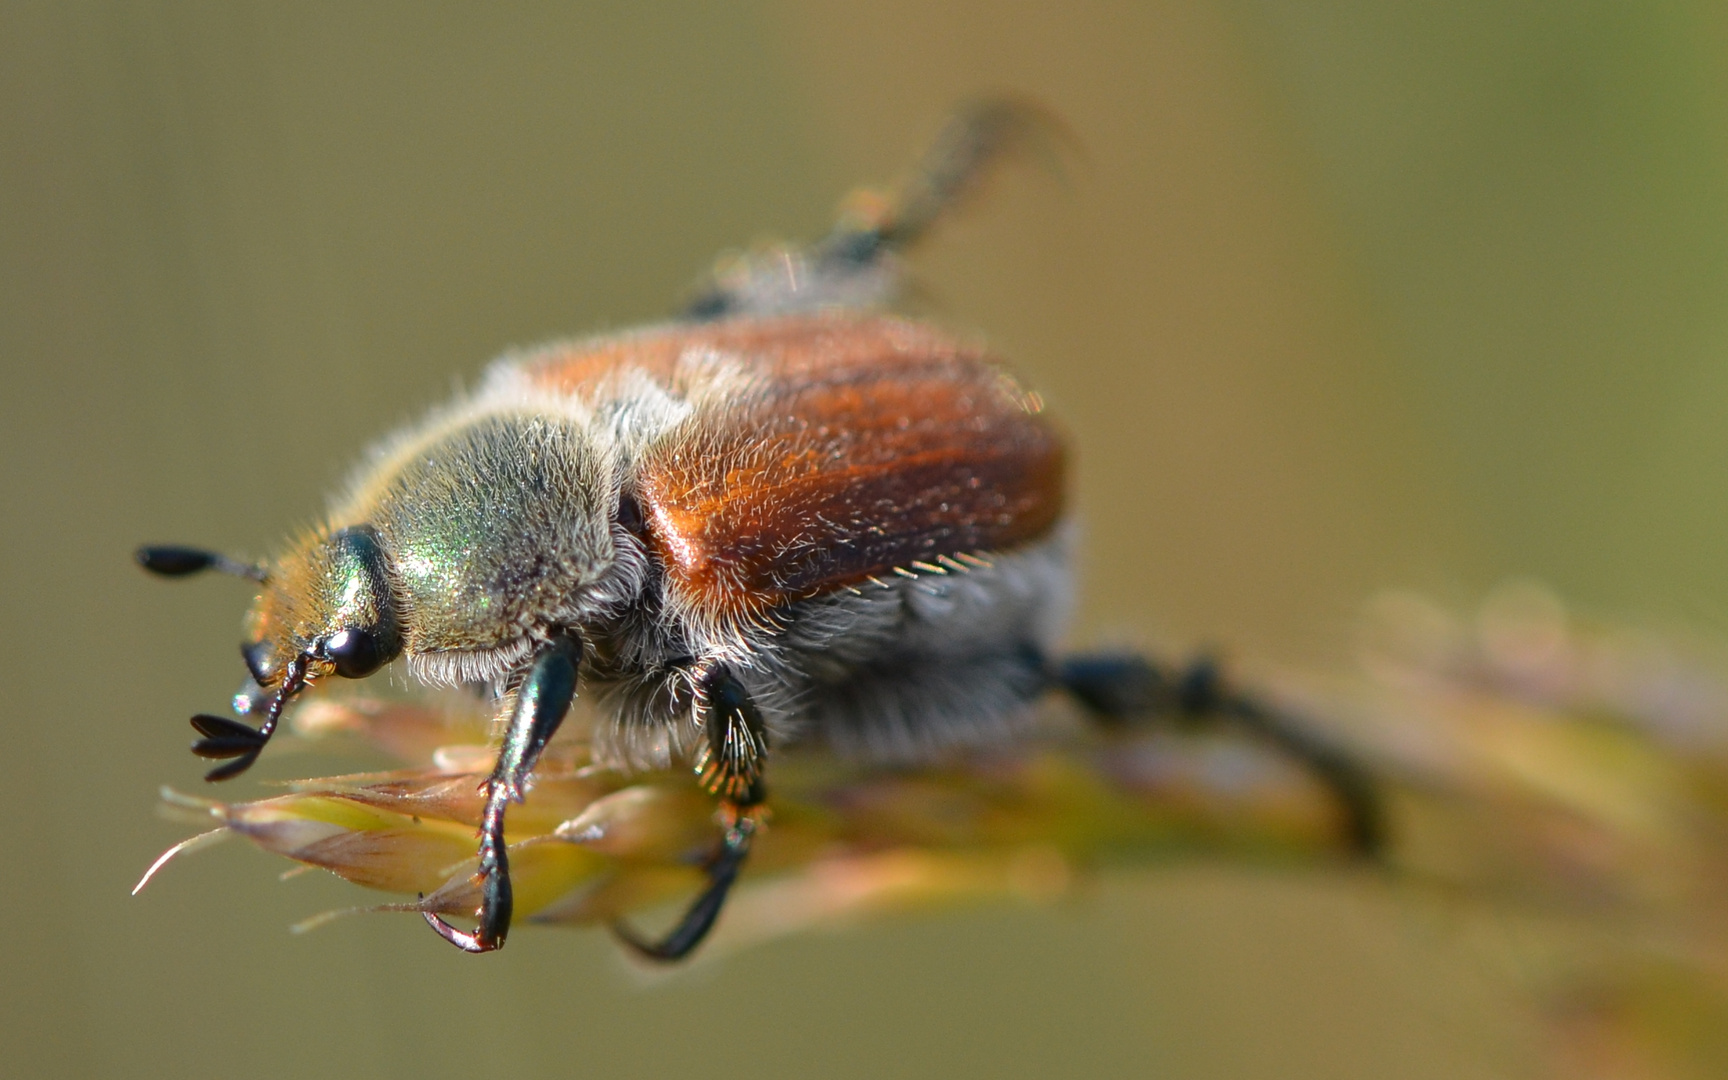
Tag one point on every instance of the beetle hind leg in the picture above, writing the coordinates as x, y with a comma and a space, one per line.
734, 750
1118, 689
977, 136
855, 264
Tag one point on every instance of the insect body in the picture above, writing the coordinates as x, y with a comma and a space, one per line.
786, 517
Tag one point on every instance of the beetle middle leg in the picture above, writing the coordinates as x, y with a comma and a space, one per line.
1123, 687
541, 703
735, 747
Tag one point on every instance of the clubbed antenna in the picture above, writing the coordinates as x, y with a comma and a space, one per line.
224, 738
172, 560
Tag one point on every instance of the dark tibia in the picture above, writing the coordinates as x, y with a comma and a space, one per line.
699, 919
1120, 689
541, 703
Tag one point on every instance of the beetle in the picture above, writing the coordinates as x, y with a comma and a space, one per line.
783, 516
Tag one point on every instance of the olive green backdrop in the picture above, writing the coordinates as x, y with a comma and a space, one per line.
1343, 295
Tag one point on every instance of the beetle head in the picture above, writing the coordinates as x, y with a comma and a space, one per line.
329, 604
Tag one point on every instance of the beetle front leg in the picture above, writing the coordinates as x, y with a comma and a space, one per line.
735, 747
541, 703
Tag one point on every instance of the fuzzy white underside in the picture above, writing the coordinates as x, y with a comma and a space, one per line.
898, 671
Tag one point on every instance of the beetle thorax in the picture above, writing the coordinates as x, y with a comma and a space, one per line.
498, 529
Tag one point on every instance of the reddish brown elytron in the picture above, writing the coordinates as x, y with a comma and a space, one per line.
865, 444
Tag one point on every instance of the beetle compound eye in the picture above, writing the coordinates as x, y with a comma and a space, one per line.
362, 606
355, 653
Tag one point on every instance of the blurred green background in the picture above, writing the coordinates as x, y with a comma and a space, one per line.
1344, 295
